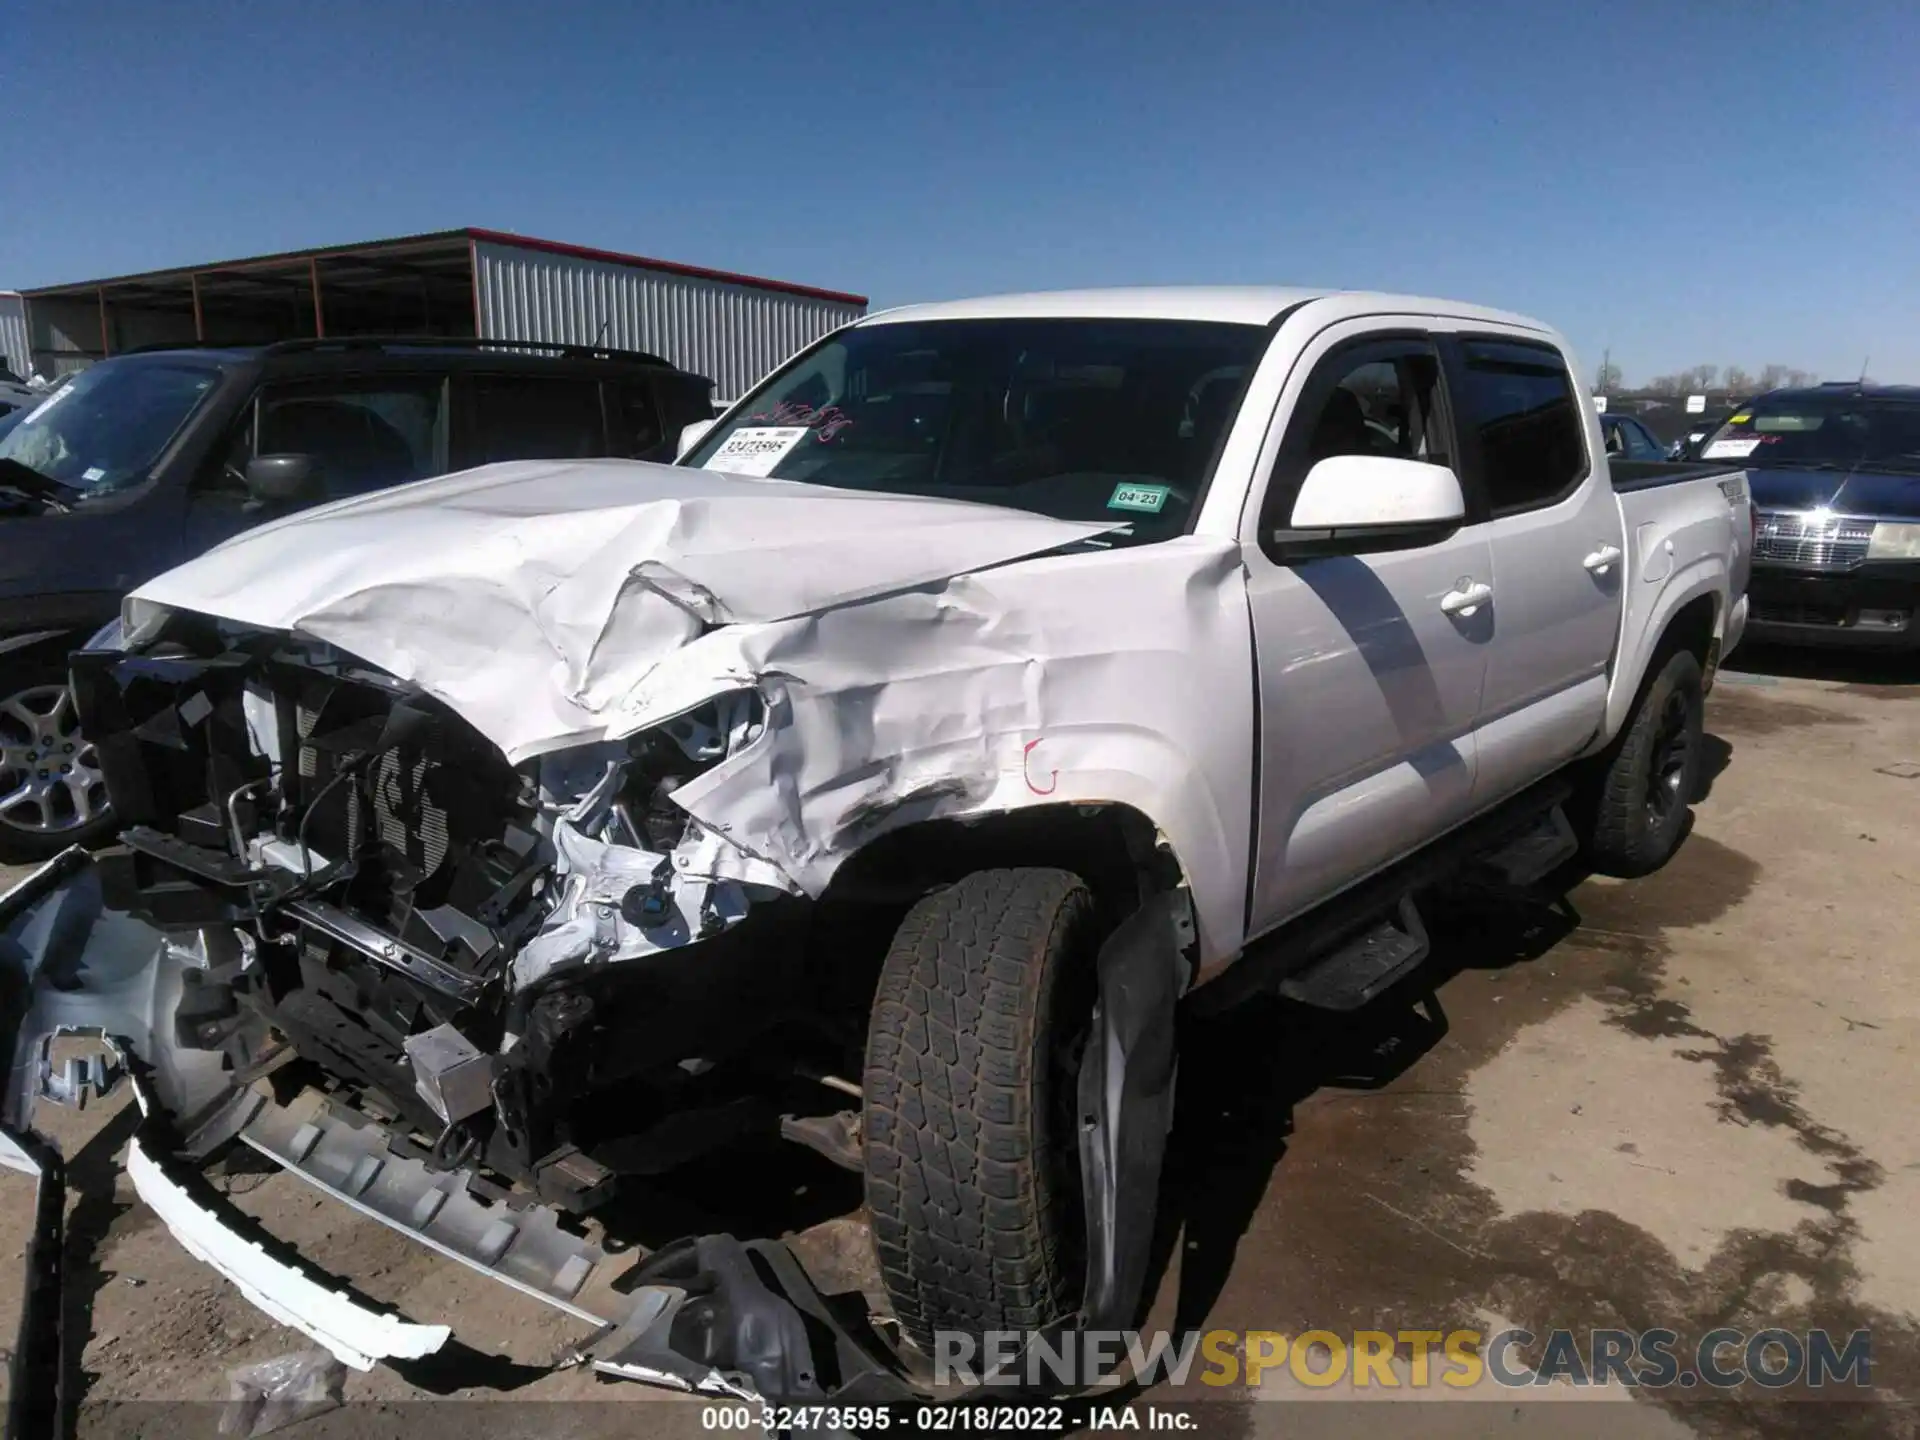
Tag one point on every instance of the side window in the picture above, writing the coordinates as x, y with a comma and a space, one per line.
1519, 405
1640, 443
634, 428
533, 417
1383, 406
362, 435
1375, 397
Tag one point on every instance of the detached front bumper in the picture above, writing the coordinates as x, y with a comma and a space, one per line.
1875, 606
709, 1314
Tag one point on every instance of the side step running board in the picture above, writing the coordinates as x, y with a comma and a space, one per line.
1530, 856
1354, 972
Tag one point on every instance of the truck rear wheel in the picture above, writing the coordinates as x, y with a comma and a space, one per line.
1635, 805
971, 1146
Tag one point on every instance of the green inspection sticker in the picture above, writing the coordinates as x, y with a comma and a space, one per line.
1149, 498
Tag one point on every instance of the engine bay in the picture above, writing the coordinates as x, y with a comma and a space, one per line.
536, 968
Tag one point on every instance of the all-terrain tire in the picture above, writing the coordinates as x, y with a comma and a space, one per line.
971, 1177
1635, 801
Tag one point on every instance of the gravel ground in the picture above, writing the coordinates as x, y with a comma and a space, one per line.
1680, 1101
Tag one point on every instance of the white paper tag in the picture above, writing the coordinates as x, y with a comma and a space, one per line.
1730, 449
756, 449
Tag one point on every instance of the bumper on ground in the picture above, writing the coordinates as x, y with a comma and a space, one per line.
708, 1315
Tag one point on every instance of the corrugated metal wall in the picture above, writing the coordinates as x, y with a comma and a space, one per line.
14, 349
733, 332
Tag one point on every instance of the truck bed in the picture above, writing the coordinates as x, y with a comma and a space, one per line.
1688, 530
1630, 475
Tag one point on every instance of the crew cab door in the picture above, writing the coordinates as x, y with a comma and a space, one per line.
1369, 668
1558, 555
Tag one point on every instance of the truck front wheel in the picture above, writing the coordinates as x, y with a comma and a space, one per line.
1635, 802
971, 1149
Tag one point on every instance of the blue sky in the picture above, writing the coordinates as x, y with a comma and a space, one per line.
1679, 182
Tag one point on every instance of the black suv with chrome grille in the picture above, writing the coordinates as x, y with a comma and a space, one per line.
143, 461
1835, 473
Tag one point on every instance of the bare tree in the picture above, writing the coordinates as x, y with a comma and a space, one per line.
1737, 380
1772, 377
1608, 378
1704, 376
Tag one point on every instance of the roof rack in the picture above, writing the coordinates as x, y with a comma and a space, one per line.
406, 342
444, 342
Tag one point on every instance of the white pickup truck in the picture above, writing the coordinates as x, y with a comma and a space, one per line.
991, 678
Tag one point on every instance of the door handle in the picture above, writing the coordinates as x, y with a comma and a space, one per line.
1466, 597
1601, 560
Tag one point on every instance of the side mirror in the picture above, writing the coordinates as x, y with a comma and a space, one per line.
283, 479
691, 436
1375, 502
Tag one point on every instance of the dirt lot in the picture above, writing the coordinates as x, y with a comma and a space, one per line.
1686, 1101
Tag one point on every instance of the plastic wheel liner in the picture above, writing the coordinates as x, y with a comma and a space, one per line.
708, 1314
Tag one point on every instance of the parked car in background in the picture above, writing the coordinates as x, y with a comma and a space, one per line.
992, 677
147, 459
1699, 427
1627, 439
1835, 471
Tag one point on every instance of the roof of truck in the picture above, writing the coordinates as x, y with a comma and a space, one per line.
1230, 304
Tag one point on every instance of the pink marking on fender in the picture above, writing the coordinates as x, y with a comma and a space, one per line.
1026, 759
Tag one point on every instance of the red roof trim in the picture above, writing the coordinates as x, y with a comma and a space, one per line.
699, 272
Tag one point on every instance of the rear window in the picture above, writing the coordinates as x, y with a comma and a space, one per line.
636, 430
1841, 431
1519, 402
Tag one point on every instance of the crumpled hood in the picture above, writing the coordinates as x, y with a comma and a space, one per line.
533, 596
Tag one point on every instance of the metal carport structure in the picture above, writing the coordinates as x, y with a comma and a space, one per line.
468, 283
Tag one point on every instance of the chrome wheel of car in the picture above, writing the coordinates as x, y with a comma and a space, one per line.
50, 780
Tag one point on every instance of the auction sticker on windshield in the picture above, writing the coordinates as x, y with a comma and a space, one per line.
1147, 498
1731, 449
756, 449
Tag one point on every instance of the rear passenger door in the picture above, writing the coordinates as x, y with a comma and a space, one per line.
1369, 675
1557, 556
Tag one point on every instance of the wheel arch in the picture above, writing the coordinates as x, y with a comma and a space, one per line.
1118, 849
1689, 615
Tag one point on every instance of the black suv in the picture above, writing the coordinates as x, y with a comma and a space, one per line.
1835, 474
145, 460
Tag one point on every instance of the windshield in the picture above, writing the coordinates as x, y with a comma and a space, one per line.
1843, 431
101, 430
1093, 420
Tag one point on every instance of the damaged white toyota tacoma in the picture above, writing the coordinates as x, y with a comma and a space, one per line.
993, 677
